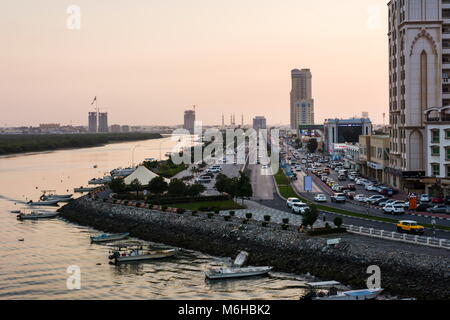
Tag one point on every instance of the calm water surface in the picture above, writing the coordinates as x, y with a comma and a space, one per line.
36, 267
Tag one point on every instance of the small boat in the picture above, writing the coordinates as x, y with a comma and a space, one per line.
37, 215
55, 196
16, 211
83, 189
224, 272
104, 180
139, 254
44, 203
236, 270
119, 172
331, 292
364, 294
109, 237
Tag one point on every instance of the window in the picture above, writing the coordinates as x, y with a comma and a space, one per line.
435, 169
448, 171
447, 134
435, 151
434, 136
447, 153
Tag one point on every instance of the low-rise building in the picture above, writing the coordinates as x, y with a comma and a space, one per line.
374, 156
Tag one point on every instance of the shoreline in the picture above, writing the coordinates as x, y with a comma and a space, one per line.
406, 271
101, 144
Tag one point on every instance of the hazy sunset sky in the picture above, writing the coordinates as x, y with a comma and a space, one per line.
149, 60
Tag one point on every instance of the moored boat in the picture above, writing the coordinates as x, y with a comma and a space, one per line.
37, 215
224, 272
84, 189
139, 254
104, 180
105, 237
44, 203
327, 290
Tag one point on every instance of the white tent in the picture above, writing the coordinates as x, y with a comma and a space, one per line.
143, 175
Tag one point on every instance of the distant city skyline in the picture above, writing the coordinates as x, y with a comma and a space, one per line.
149, 61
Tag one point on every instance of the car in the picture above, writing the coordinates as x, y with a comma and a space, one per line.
324, 178
320, 198
437, 199
298, 168
291, 201
361, 182
423, 207
394, 209
385, 202
204, 179
299, 208
372, 199
350, 195
338, 198
342, 177
370, 187
379, 201
424, 198
351, 187
361, 198
410, 226
440, 208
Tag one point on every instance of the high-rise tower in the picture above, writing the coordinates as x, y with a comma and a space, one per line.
302, 103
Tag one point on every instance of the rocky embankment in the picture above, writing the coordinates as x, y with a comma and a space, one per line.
406, 269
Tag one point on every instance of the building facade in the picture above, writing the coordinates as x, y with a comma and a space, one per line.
374, 156
189, 120
103, 122
341, 131
302, 103
419, 68
259, 123
92, 122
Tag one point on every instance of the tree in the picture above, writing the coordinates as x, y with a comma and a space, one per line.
177, 187
221, 182
157, 185
312, 145
135, 185
195, 190
244, 187
338, 222
310, 216
117, 185
231, 187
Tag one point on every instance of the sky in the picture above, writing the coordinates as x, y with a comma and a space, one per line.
149, 60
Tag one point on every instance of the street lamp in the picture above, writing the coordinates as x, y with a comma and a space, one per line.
132, 156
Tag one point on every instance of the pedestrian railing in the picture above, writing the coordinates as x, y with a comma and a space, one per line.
402, 237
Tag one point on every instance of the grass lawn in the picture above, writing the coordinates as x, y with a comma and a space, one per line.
287, 191
219, 205
281, 178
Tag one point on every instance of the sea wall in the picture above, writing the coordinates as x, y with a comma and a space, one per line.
406, 269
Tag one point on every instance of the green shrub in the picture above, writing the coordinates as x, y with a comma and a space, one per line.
232, 213
286, 221
245, 221
327, 226
248, 215
265, 224
227, 218
338, 222
164, 208
210, 215
267, 218
325, 231
216, 211
181, 211
284, 226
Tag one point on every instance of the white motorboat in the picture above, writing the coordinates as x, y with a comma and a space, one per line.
224, 272
60, 197
119, 172
236, 270
139, 254
109, 237
364, 294
44, 203
37, 215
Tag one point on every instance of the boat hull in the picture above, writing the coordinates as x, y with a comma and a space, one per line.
145, 257
36, 216
242, 273
110, 238
354, 295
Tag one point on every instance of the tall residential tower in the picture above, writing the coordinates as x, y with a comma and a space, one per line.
419, 69
302, 103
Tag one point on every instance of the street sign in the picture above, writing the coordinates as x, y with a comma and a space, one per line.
307, 183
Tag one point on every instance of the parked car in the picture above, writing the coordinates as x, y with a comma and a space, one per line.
291, 201
338, 198
437, 200
320, 198
204, 179
410, 226
361, 198
379, 201
424, 198
351, 187
299, 208
394, 209
370, 187
423, 207
386, 191
372, 199
342, 177
440, 208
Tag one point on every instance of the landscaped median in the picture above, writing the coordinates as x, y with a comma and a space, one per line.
287, 191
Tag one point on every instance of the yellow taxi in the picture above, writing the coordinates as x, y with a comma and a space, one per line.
410, 226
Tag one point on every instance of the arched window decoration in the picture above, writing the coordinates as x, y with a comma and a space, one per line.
433, 115
423, 80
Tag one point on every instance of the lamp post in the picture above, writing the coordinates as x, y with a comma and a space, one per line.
132, 155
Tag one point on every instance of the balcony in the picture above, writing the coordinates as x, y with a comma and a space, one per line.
438, 114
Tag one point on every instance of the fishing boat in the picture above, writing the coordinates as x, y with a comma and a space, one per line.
236, 270
16, 211
61, 198
84, 189
37, 215
139, 254
105, 237
44, 203
327, 290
